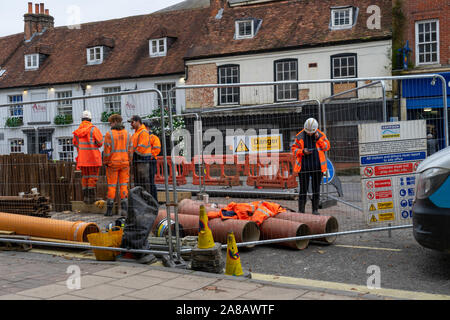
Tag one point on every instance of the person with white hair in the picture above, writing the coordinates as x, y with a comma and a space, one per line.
88, 140
309, 149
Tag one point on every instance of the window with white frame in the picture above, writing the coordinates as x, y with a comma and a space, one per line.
64, 107
65, 149
165, 88
16, 111
158, 47
112, 103
344, 66
16, 145
427, 42
286, 70
341, 18
95, 55
229, 74
245, 29
31, 61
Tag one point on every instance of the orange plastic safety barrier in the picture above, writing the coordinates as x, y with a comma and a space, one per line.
271, 175
181, 170
214, 164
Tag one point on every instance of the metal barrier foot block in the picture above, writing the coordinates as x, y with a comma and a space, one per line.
174, 262
327, 203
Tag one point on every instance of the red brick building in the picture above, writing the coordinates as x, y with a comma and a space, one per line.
426, 26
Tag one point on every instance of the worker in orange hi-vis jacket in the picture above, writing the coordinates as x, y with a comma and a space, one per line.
141, 153
88, 140
116, 158
309, 150
155, 145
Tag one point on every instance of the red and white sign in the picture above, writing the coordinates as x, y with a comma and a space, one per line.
368, 171
383, 183
394, 169
369, 184
387, 194
370, 196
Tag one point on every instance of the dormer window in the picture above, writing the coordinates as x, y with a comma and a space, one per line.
343, 17
158, 47
95, 55
32, 61
245, 29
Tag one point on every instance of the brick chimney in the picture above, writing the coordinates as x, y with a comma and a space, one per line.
216, 5
37, 21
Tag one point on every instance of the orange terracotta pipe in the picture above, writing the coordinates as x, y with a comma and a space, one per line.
47, 228
317, 224
192, 207
279, 228
245, 231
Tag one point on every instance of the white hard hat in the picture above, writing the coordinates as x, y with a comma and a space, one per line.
86, 114
311, 125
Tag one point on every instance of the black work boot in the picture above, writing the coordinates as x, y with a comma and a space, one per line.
301, 206
85, 195
124, 207
315, 206
90, 195
109, 208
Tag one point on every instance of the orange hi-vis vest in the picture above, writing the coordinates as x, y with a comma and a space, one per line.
257, 211
117, 149
141, 142
155, 145
88, 139
322, 145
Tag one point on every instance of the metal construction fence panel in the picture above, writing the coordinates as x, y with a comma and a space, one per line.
247, 137
237, 148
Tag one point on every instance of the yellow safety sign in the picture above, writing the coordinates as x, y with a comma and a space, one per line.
241, 147
373, 219
269, 143
389, 216
385, 205
372, 207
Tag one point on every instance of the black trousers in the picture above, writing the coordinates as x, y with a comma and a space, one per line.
152, 173
304, 178
141, 176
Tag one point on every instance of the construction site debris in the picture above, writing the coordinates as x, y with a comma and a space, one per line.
33, 205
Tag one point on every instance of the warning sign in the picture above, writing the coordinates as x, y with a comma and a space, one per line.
390, 154
241, 147
394, 169
389, 216
383, 194
386, 205
383, 183
368, 171
268, 143
255, 144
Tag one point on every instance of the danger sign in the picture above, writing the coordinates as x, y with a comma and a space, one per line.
394, 169
370, 196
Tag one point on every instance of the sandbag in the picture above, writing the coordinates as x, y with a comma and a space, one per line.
142, 212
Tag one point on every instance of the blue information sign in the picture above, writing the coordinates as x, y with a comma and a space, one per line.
393, 158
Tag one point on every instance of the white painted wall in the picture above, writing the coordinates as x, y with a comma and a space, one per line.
142, 104
372, 60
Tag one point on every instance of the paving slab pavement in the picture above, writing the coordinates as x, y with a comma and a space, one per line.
47, 279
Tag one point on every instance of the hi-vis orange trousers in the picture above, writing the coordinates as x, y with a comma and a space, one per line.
89, 176
117, 175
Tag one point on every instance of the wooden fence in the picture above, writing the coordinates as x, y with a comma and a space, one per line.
57, 180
